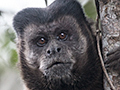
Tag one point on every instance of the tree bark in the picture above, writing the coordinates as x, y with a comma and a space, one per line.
110, 26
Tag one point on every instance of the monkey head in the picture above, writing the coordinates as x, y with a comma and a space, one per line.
57, 50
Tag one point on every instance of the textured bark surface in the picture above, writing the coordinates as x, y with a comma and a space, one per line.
110, 25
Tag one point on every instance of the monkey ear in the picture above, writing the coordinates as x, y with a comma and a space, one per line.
25, 17
19, 22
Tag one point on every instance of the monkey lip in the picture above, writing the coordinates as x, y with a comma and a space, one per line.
56, 63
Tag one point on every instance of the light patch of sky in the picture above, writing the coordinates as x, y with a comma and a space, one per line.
16, 5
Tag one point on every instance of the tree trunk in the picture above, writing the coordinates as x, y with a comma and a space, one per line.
110, 26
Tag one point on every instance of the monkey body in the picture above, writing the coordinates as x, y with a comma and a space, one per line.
57, 50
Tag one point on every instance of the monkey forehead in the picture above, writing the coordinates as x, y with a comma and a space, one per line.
62, 23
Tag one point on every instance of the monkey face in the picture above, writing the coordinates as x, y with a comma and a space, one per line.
52, 48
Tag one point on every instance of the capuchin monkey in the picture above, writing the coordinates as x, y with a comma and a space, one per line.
57, 49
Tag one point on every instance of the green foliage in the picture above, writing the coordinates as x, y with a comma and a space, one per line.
90, 10
8, 52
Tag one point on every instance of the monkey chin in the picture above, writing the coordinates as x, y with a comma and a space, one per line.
58, 70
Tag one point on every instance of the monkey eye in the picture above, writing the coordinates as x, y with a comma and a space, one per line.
41, 42
62, 36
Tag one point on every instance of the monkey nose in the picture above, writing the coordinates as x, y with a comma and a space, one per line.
53, 51
58, 49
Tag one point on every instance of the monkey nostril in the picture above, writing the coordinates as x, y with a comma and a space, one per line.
58, 49
48, 51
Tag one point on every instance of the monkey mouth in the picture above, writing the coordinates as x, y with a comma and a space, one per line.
57, 63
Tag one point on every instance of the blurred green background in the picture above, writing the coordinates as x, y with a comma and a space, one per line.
9, 72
